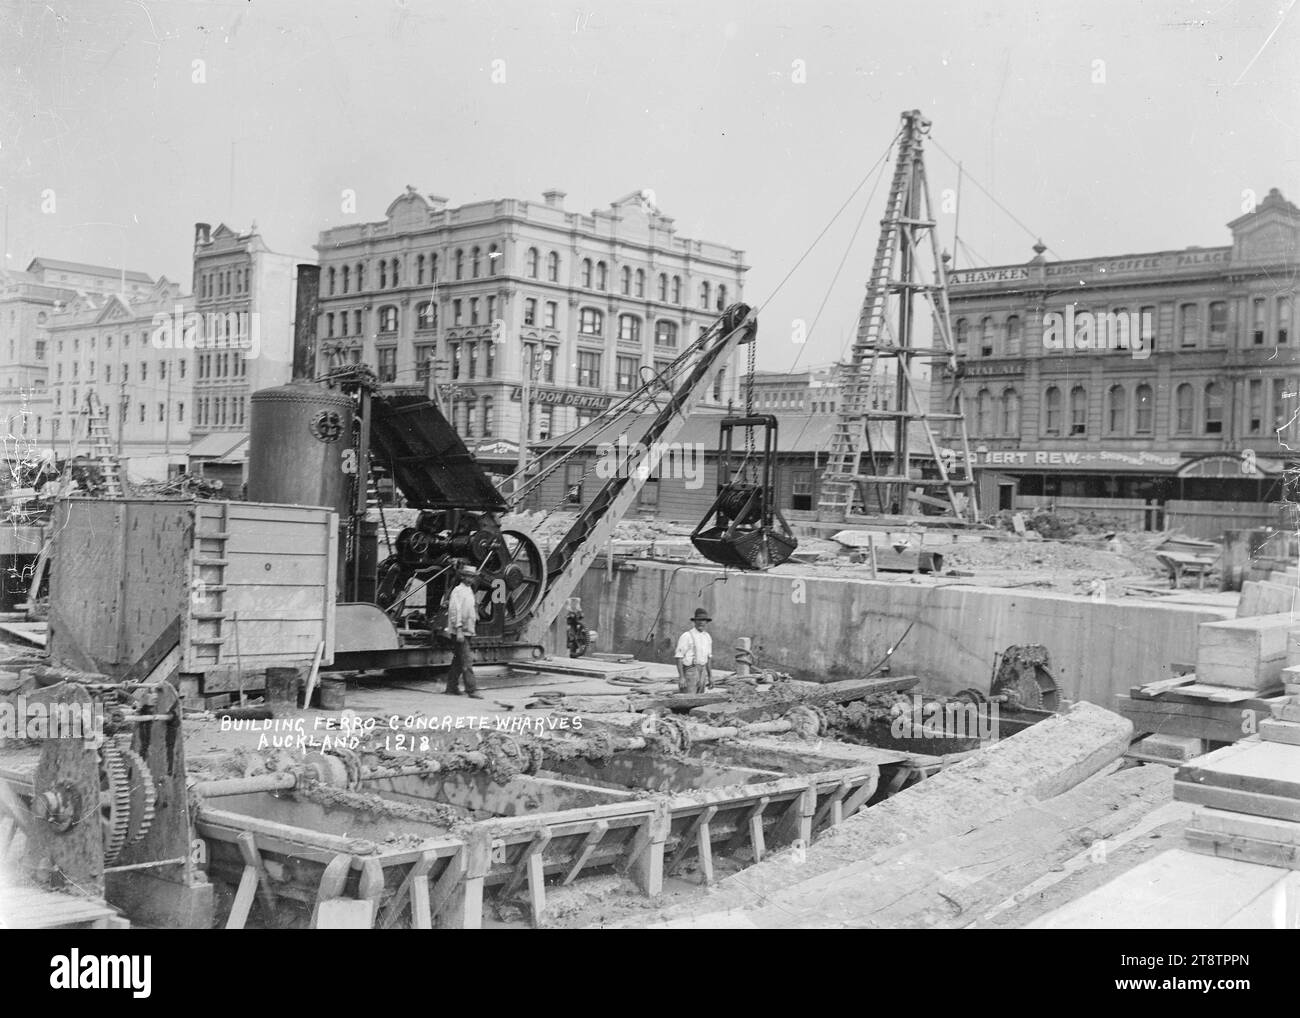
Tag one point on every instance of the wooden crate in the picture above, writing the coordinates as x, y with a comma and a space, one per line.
252, 585
1247, 653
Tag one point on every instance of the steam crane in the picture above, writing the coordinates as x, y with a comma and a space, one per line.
521, 590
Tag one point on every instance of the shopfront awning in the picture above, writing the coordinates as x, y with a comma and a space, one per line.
219, 445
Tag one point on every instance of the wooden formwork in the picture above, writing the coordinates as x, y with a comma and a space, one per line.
443, 880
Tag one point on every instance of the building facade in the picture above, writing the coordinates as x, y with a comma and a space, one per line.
1157, 376
109, 346
466, 300
29, 301
244, 302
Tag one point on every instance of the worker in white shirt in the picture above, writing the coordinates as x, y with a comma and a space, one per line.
462, 617
694, 655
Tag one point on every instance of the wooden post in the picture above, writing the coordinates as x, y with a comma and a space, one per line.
871, 554
458, 905
645, 864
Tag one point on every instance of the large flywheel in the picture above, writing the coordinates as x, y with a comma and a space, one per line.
513, 573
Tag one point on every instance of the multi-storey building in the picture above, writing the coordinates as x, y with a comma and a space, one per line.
1155, 376
111, 346
28, 302
470, 298
816, 390
244, 299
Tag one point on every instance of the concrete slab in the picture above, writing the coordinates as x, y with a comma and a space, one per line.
1182, 890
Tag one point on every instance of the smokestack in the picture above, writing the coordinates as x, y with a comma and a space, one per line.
202, 234
306, 311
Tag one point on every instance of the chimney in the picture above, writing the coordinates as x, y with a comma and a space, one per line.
305, 312
554, 198
202, 234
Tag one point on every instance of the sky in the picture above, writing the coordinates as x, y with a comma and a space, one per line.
1106, 127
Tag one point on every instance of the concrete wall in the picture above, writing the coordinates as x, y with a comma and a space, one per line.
829, 628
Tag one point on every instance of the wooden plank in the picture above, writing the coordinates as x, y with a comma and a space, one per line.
704, 845
592, 839
832, 806
689, 838
522, 868
418, 874
28, 632
331, 885
864, 792
448, 881
1252, 765
1275, 730
1154, 689
1206, 720
1238, 801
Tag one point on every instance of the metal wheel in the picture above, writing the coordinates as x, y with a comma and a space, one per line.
517, 564
114, 801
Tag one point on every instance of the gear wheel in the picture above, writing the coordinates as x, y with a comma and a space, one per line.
144, 795
114, 800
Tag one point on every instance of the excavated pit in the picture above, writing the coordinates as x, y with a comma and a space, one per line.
637, 816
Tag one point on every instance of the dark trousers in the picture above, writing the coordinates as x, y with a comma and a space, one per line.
462, 667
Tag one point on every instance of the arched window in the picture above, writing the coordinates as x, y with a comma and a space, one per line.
1184, 409
531, 262
677, 289
1015, 336
983, 412
419, 269
460, 264
722, 297
331, 282
426, 315
704, 294
1052, 411
474, 257
629, 328
640, 282
627, 281
1010, 413
553, 267
433, 268
388, 319
1144, 407
663, 287
397, 271
959, 334
346, 273
586, 273
600, 276
383, 273
987, 337
1213, 409
1116, 410
1078, 411
493, 257
361, 276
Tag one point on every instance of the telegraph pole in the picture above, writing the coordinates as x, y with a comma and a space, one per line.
525, 414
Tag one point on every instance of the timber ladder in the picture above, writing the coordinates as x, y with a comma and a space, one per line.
102, 446
878, 386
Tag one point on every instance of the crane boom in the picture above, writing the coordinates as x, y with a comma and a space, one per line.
595, 524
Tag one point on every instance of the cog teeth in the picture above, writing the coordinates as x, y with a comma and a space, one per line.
115, 825
143, 796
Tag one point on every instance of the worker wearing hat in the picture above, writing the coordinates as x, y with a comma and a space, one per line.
462, 616
694, 655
